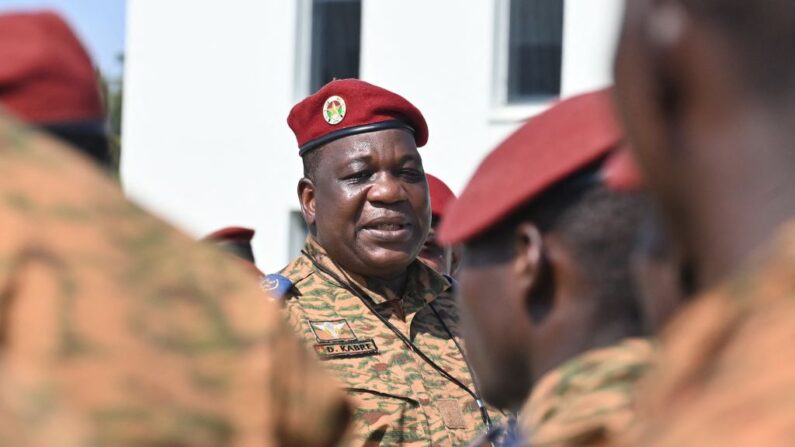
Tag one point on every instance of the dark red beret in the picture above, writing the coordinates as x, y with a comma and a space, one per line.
349, 107
441, 195
544, 151
237, 234
46, 76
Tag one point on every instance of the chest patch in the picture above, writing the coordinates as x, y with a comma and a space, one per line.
336, 339
344, 349
332, 331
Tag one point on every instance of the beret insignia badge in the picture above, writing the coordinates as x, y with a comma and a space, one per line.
334, 110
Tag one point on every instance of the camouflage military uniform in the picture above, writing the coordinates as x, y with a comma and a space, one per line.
727, 363
116, 330
401, 399
588, 398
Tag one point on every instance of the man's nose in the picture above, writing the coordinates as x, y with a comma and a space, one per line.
386, 189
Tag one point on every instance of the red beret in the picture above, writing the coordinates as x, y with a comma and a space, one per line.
544, 151
441, 195
621, 173
237, 234
349, 107
46, 76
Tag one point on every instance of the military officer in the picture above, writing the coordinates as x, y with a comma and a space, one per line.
236, 241
546, 293
383, 321
440, 258
115, 329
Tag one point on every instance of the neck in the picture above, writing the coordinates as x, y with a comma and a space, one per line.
740, 190
391, 287
584, 333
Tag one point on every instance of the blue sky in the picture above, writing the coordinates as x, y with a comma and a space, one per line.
99, 23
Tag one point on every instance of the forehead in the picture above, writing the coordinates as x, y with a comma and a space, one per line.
381, 145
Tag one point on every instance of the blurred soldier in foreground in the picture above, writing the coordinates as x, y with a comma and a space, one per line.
664, 278
115, 330
707, 91
48, 80
442, 259
382, 320
546, 293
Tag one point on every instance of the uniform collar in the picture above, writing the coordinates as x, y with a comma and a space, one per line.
423, 284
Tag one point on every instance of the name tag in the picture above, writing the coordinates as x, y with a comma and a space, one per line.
343, 349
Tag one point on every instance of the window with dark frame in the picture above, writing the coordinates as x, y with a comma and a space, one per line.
336, 41
534, 49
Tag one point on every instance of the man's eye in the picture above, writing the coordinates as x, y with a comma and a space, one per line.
412, 175
358, 177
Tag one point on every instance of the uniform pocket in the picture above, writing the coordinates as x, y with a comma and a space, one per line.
386, 411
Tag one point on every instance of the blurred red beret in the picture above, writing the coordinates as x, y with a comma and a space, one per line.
46, 76
544, 151
441, 195
236, 234
349, 107
621, 172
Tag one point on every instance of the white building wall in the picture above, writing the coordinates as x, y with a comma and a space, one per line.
209, 85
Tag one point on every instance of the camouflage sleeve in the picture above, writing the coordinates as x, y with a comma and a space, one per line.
116, 330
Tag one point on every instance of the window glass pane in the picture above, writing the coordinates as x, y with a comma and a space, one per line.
298, 233
534, 49
336, 38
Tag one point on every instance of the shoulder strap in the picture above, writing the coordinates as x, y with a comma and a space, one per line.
276, 285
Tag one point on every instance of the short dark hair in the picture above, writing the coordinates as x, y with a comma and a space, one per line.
762, 34
311, 160
600, 226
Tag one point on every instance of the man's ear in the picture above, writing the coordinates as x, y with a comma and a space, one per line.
667, 27
532, 270
306, 195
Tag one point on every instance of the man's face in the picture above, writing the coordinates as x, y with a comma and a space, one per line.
436, 256
372, 210
495, 324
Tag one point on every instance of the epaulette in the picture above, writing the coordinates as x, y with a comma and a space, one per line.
453, 282
276, 285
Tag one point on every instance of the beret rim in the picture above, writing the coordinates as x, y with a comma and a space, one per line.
354, 130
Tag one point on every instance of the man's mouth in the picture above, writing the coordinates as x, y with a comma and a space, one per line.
388, 229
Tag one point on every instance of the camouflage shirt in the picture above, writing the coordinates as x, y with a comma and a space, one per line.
116, 330
401, 399
588, 398
726, 374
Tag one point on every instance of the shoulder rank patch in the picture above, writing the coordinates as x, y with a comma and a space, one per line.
276, 285
336, 339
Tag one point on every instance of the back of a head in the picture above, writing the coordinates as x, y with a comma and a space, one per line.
47, 79
599, 226
559, 173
